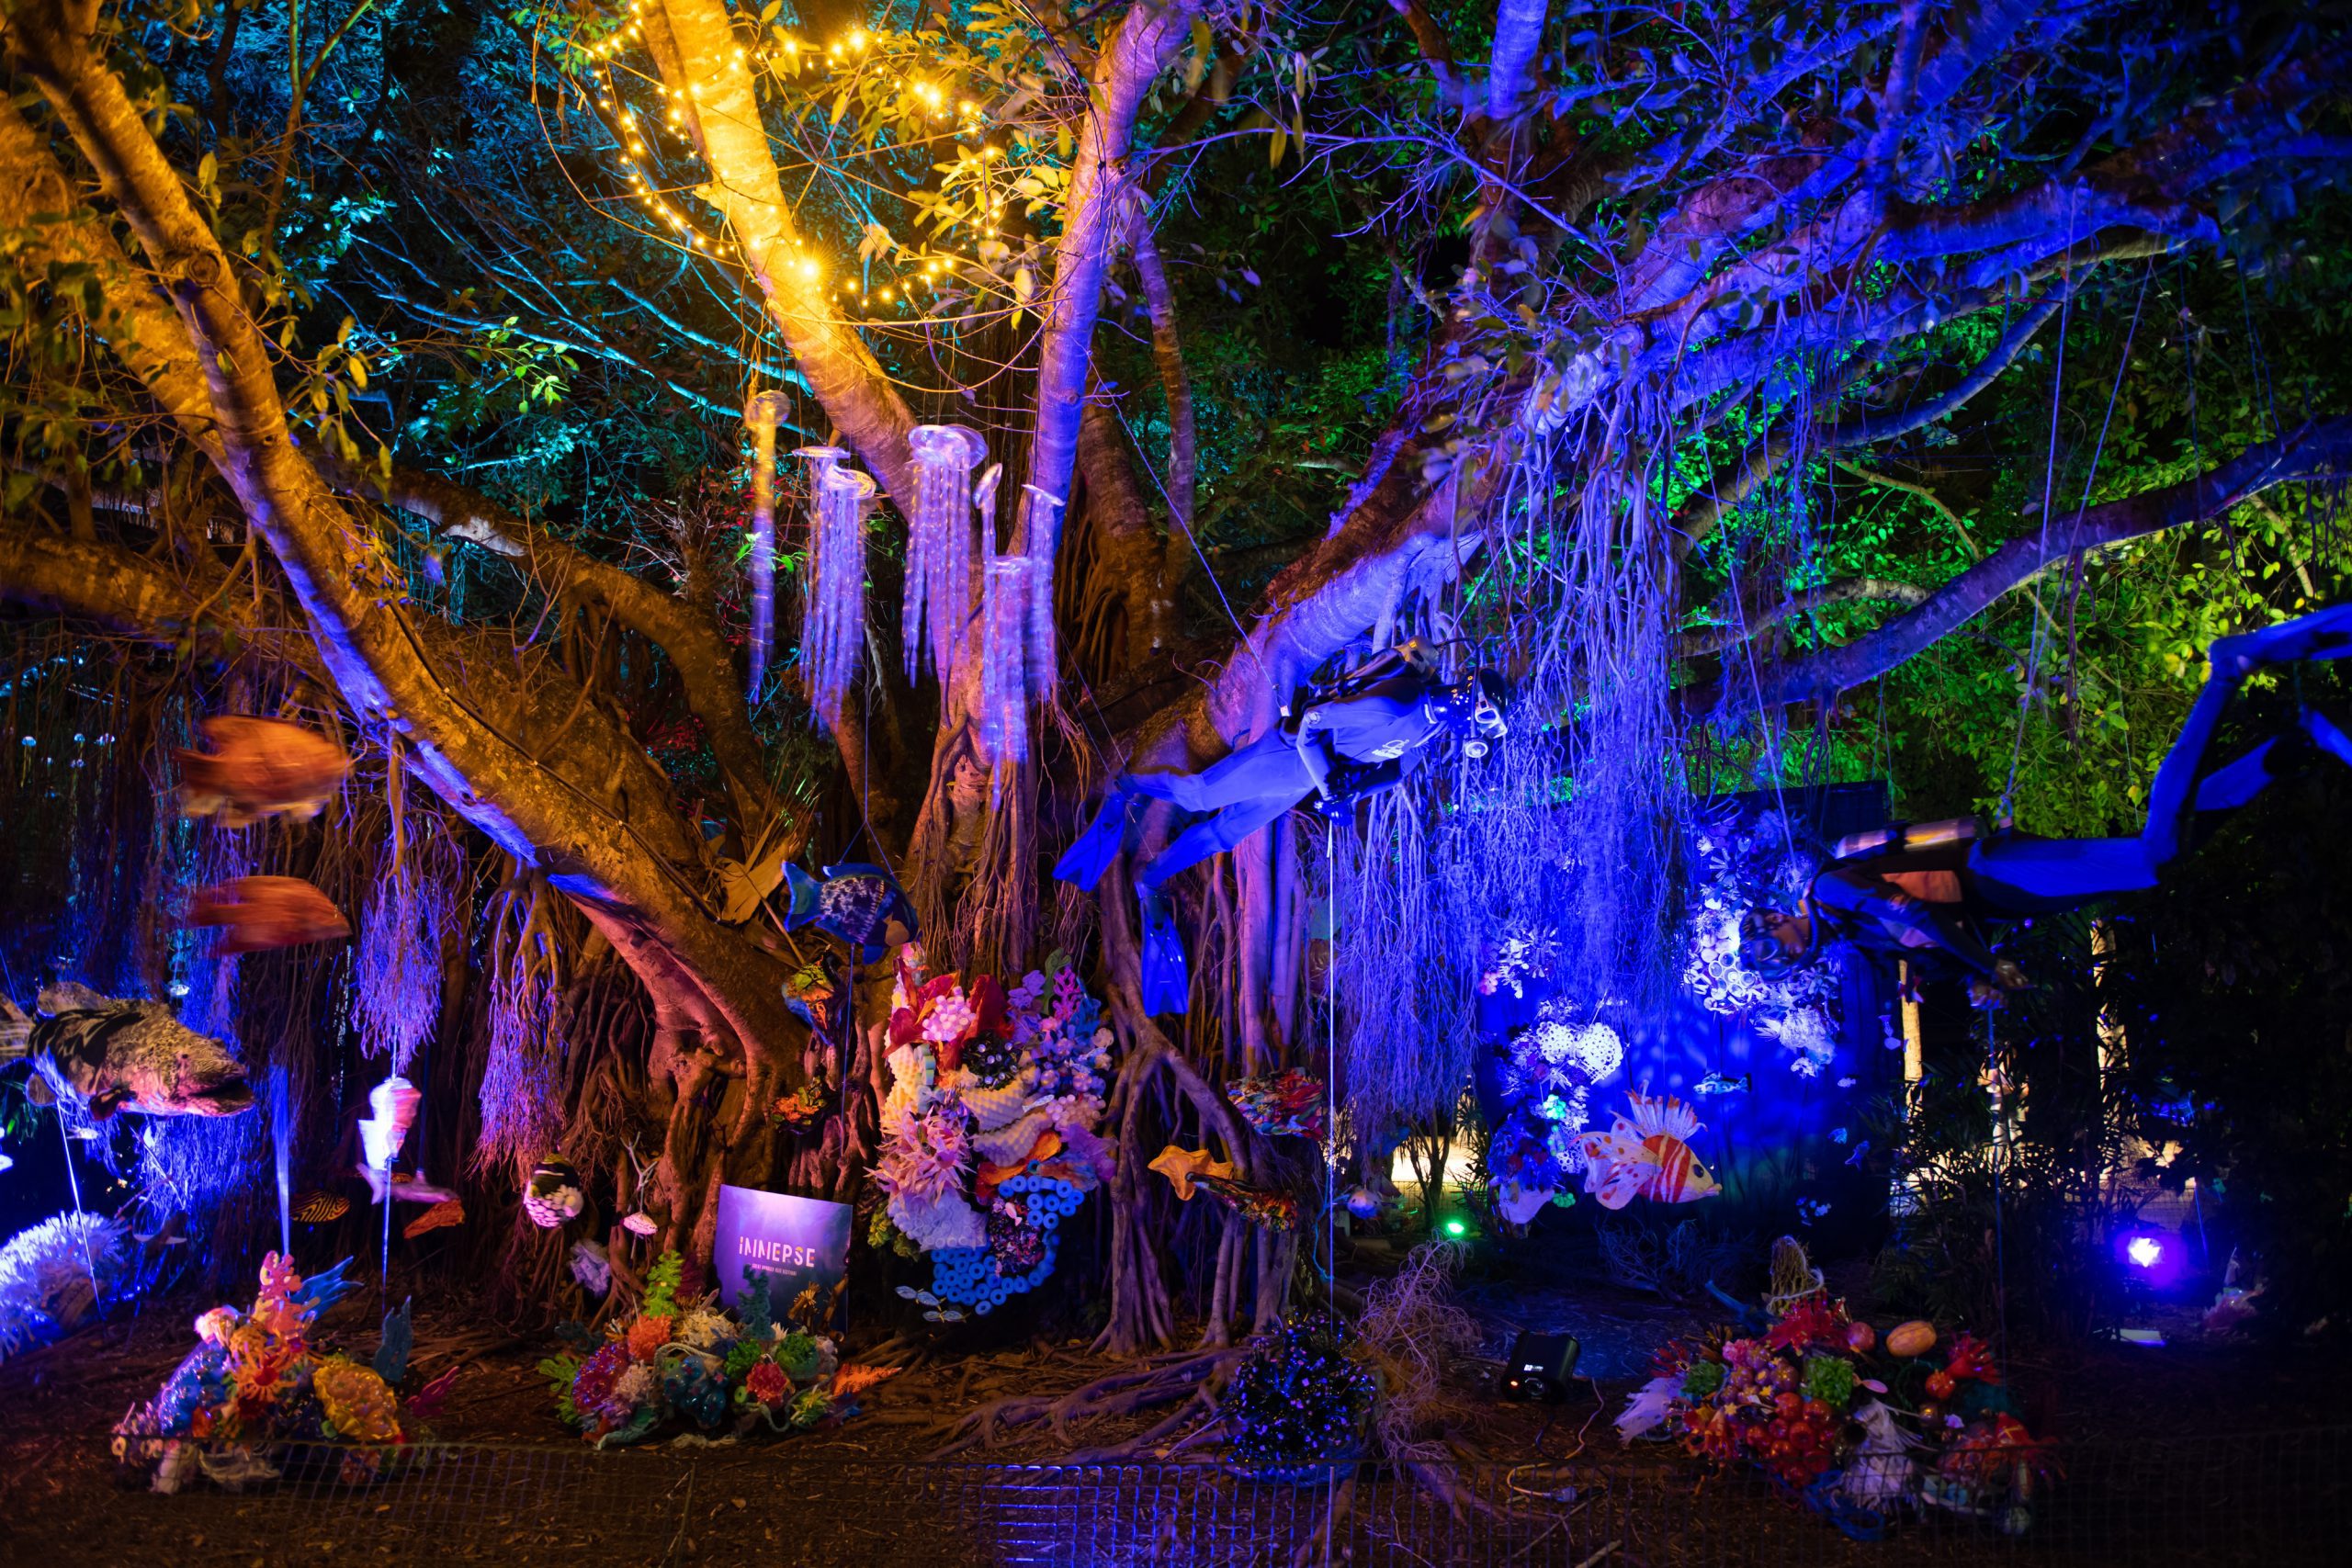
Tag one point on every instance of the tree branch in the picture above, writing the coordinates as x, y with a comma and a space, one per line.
2319, 449
133, 596
681, 630
1758, 618
1145, 41
606, 837
693, 42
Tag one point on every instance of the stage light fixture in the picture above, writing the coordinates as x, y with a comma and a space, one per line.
1540, 1368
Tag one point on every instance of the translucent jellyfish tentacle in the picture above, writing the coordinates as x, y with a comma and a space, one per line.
833, 624
1041, 536
938, 602
1004, 686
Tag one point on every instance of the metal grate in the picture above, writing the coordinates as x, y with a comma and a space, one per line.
2267, 1499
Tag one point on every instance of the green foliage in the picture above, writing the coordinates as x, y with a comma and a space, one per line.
740, 1357
1830, 1379
797, 1354
661, 1285
561, 1372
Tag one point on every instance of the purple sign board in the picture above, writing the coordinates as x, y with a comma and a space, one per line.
796, 1242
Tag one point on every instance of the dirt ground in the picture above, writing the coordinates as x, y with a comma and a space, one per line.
57, 1482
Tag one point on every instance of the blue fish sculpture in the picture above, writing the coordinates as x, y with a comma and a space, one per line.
863, 905
1717, 1083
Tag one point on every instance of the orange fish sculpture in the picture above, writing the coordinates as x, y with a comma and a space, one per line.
264, 912
1647, 1155
259, 767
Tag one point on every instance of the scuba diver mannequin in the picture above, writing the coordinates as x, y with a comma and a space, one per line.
1364, 735
1930, 890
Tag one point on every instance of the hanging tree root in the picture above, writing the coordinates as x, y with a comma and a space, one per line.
1192, 1377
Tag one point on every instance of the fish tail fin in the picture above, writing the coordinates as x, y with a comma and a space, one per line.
804, 889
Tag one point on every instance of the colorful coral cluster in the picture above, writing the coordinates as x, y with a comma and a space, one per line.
988, 1134
1818, 1402
696, 1362
1743, 863
54, 1274
1288, 1104
1551, 1068
256, 1386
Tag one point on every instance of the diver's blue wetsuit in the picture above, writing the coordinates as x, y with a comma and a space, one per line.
1275, 771
1376, 737
1913, 898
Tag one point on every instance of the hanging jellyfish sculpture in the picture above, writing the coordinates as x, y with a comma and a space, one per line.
760, 413
938, 602
1005, 685
833, 622
1004, 613
1040, 537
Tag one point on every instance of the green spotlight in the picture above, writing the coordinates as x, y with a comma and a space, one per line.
1457, 1227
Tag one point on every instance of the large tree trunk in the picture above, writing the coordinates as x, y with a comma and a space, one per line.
565, 792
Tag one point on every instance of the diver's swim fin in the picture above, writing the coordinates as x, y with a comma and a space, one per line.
1088, 859
2235, 784
1167, 987
2326, 736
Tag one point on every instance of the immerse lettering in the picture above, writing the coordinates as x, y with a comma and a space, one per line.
776, 1254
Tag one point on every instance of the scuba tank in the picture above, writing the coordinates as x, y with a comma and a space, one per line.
1339, 685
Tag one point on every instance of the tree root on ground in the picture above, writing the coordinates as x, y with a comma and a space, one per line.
1150, 1382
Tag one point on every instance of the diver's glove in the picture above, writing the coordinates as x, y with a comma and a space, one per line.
1167, 987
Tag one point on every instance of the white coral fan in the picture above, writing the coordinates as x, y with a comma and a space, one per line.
46, 1272
638, 1386
1808, 1036
1593, 1050
943, 1221
704, 1328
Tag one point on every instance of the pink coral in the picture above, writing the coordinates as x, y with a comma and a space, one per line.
767, 1383
927, 1156
592, 1386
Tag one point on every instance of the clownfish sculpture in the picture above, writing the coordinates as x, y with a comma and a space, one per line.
1647, 1155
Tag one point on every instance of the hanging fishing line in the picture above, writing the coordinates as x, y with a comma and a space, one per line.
2048, 485
1200, 554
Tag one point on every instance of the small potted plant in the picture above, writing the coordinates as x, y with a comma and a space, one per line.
1299, 1406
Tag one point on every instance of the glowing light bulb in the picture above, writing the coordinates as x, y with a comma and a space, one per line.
2145, 1251
1457, 1227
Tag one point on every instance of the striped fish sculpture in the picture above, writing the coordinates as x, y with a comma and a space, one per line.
1647, 1155
124, 1055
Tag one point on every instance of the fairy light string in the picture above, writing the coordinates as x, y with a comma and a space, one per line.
969, 277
